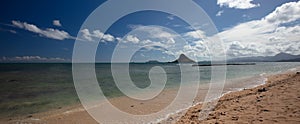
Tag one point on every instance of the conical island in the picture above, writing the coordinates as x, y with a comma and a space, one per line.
183, 59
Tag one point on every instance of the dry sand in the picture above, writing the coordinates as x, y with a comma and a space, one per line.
277, 101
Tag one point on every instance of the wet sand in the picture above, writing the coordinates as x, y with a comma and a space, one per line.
275, 101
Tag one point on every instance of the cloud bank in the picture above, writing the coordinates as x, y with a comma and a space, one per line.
276, 32
32, 59
268, 36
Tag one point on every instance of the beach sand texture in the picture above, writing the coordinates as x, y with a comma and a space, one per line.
277, 101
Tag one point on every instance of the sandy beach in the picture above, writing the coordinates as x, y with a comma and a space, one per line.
150, 62
277, 101
273, 102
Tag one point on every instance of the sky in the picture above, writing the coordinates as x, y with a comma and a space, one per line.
45, 31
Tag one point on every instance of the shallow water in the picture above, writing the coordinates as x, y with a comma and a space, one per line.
32, 88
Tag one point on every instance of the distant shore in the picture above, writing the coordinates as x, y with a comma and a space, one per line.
223, 64
275, 101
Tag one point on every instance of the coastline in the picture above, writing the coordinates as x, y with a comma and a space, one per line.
272, 102
76, 113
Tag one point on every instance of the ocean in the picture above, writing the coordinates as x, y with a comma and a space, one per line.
28, 88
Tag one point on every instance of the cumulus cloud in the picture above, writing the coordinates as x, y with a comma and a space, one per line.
237, 4
266, 36
236, 49
133, 39
198, 34
95, 35
155, 33
164, 41
57, 23
285, 13
32, 59
49, 32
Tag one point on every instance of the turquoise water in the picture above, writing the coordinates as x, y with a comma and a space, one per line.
32, 88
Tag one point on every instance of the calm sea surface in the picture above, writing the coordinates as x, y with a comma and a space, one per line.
32, 88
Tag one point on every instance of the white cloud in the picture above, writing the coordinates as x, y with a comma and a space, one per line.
86, 35
199, 50
49, 32
285, 13
56, 34
253, 38
18, 24
169, 43
31, 27
220, 13
108, 37
238, 4
236, 49
32, 59
133, 39
154, 31
267, 36
57, 23
95, 35
198, 34
129, 39
119, 39
151, 37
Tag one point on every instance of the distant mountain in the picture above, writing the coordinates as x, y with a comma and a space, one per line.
284, 56
277, 58
183, 59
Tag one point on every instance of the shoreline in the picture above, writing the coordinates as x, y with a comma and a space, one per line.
170, 118
72, 114
241, 106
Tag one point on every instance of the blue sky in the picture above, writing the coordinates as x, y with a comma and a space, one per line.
35, 30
